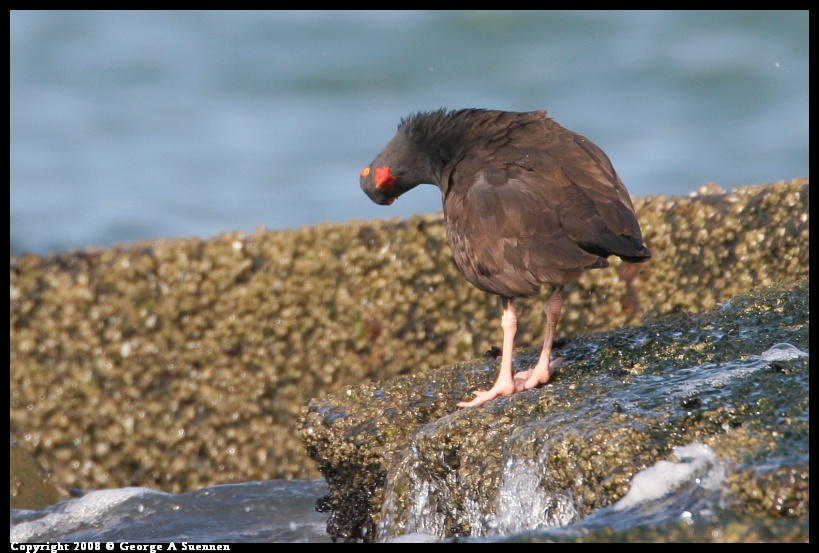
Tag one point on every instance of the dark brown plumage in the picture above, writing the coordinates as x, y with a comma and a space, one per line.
526, 202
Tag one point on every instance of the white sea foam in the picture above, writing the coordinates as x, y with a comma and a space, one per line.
664, 477
86, 511
783, 352
417, 537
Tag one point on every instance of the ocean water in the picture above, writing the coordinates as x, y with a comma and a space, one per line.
271, 511
140, 125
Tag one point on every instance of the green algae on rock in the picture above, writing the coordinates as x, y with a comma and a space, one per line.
31, 486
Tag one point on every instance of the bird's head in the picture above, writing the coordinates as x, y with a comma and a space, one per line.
404, 163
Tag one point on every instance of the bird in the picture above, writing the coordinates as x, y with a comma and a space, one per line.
527, 203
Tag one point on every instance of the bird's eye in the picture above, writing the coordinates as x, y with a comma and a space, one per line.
365, 172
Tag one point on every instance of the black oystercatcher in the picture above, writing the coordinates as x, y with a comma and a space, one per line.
527, 203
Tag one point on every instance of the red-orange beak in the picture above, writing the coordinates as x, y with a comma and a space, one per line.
384, 179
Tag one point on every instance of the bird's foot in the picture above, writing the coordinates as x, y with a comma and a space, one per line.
522, 381
482, 396
532, 378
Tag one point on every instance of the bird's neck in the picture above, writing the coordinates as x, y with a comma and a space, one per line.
442, 138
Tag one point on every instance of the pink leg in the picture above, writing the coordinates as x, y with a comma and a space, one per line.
505, 384
542, 372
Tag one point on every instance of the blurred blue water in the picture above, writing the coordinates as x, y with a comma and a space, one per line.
136, 125
271, 511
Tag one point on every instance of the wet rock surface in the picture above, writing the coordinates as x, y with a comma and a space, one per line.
179, 364
623, 401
